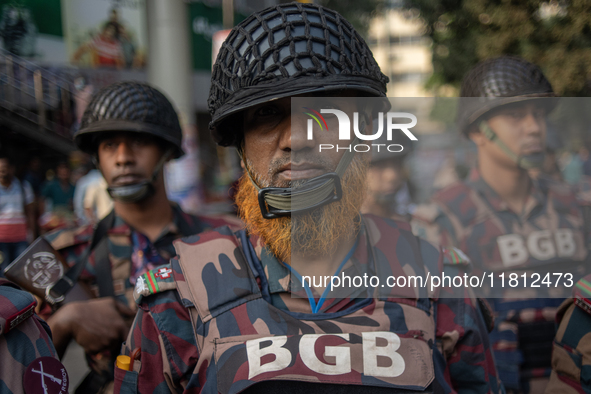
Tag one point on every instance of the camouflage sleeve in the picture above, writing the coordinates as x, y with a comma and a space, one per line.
462, 337
583, 193
430, 223
571, 350
24, 337
163, 331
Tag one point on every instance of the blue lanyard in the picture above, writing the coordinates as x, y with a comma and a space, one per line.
313, 305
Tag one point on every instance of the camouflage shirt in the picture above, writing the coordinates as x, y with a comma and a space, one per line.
549, 233
24, 337
185, 307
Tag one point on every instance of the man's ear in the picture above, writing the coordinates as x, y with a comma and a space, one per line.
476, 135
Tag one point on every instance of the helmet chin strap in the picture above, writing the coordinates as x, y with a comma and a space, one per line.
315, 192
527, 162
138, 191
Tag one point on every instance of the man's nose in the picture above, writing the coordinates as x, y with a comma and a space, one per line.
533, 123
295, 134
124, 154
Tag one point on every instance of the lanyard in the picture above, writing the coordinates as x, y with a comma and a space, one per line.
313, 305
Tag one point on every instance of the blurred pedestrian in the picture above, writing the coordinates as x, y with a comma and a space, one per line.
572, 167
17, 221
97, 202
80, 191
59, 191
586, 158
57, 200
34, 175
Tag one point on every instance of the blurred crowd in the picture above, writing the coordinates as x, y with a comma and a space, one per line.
40, 200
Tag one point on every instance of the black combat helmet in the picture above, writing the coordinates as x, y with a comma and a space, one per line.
283, 51
500, 81
133, 107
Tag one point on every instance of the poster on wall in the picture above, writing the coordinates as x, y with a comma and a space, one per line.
106, 33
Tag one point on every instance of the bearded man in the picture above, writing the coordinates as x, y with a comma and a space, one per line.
236, 313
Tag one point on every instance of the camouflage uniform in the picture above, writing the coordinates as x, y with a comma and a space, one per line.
571, 354
72, 244
200, 316
472, 217
24, 337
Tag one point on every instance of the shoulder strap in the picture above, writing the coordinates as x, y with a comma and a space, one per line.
216, 275
55, 294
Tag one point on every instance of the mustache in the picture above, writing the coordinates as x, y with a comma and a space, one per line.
270, 179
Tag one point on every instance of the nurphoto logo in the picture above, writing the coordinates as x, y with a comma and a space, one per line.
358, 127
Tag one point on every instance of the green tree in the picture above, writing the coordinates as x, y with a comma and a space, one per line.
556, 35
359, 13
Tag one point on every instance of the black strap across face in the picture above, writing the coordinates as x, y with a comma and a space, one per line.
138, 191
316, 192
527, 162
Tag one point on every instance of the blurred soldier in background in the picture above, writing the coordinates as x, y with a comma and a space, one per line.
28, 359
502, 219
571, 353
390, 193
209, 319
131, 130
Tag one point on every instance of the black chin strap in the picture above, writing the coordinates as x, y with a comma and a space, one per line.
321, 190
527, 162
139, 191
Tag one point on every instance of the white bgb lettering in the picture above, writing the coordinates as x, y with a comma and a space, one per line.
254, 354
341, 354
541, 245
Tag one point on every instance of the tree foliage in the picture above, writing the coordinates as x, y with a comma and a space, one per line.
556, 35
359, 13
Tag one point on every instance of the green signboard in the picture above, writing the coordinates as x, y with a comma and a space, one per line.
204, 21
46, 15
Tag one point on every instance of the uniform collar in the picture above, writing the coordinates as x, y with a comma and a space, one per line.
536, 198
120, 227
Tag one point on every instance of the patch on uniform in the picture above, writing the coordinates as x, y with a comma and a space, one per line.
46, 375
19, 317
582, 294
454, 256
154, 281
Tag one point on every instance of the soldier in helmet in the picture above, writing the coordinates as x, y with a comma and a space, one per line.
505, 221
233, 316
389, 190
131, 130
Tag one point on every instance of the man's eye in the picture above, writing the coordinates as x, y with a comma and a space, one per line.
266, 111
